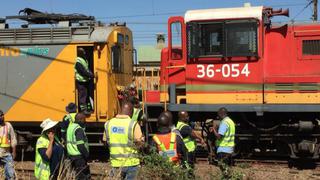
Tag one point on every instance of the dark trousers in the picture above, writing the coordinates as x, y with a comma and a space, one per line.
82, 88
224, 163
191, 160
81, 168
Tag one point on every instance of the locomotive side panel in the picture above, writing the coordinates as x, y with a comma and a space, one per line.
290, 79
22, 71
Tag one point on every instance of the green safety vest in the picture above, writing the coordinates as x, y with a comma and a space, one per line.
42, 167
135, 115
228, 138
72, 143
85, 64
71, 117
120, 137
188, 142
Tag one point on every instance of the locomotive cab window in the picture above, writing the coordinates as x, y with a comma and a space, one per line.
176, 41
222, 39
116, 58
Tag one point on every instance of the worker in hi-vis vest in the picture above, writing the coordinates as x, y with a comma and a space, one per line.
78, 147
168, 144
49, 152
189, 136
69, 118
8, 143
137, 110
123, 137
82, 75
225, 140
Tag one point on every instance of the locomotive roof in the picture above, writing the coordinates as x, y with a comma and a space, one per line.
56, 35
224, 13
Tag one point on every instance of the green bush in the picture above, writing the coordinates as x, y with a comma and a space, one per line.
155, 166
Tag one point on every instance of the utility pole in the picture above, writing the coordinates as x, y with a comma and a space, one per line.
315, 10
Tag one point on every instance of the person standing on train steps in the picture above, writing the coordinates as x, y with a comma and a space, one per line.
49, 152
69, 118
8, 143
78, 147
168, 143
189, 137
82, 75
123, 137
225, 141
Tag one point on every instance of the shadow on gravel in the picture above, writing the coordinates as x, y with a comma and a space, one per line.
303, 164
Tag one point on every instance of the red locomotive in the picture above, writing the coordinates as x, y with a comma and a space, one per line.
267, 75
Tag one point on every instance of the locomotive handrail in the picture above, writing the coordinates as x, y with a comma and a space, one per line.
172, 67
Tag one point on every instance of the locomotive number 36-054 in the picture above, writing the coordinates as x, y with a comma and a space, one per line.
226, 70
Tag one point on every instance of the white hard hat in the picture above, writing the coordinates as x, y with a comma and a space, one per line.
48, 124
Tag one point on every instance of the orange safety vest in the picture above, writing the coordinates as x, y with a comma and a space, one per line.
167, 146
4, 139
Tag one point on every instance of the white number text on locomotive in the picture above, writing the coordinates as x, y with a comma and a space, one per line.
226, 70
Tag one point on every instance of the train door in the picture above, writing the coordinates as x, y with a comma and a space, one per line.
90, 100
177, 53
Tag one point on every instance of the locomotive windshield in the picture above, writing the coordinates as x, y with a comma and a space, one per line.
224, 38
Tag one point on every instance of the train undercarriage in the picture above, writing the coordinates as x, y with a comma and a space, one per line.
287, 135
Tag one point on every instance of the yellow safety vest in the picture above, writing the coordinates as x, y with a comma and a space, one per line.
135, 115
188, 142
228, 138
71, 117
42, 167
5, 139
120, 137
72, 143
85, 64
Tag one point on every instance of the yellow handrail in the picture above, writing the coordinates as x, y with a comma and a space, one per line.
172, 67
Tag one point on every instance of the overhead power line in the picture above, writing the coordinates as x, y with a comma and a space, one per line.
301, 11
287, 5
141, 15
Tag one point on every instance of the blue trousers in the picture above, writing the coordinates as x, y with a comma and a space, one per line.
7, 161
126, 173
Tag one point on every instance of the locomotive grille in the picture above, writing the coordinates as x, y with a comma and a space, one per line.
311, 47
296, 87
284, 88
42, 34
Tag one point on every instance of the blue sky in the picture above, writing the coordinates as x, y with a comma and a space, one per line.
146, 17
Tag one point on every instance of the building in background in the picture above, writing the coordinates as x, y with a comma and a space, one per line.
147, 69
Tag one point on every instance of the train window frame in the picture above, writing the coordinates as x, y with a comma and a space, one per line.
195, 33
127, 39
116, 64
120, 38
176, 52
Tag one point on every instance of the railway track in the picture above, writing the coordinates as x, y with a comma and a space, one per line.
25, 170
